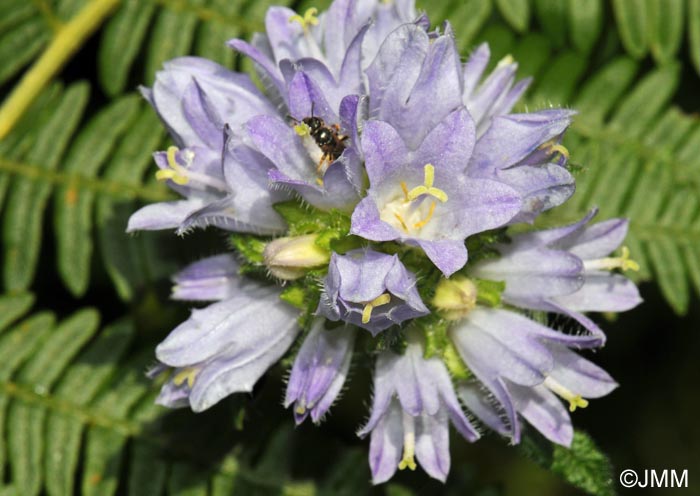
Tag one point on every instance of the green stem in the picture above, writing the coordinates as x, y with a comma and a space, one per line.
66, 42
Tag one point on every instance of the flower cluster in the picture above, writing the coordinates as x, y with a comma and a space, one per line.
368, 183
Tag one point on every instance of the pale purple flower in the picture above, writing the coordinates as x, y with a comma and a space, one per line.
523, 365
423, 197
521, 150
320, 369
332, 48
496, 94
414, 401
371, 290
566, 270
203, 104
226, 347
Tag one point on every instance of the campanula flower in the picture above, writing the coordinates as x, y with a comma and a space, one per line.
566, 270
226, 347
414, 401
525, 368
371, 290
319, 370
423, 197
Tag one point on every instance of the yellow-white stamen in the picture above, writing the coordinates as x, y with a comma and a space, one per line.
575, 400
186, 375
182, 175
409, 443
553, 147
176, 173
427, 187
308, 19
377, 302
407, 211
623, 262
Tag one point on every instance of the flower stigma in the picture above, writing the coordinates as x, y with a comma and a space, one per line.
308, 19
408, 211
552, 147
409, 443
177, 173
380, 300
623, 262
575, 400
182, 174
186, 375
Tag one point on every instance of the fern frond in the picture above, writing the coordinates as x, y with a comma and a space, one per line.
655, 27
641, 161
75, 411
163, 29
95, 169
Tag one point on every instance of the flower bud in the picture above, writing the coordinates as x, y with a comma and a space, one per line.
289, 258
455, 298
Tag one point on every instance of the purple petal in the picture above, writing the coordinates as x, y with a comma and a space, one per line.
596, 241
580, 375
323, 358
433, 444
545, 412
386, 445
532, 274
513, 137
163, 215
484, 405
474, 69
210, 279
602, 292
238, 369
448, 255
242, 322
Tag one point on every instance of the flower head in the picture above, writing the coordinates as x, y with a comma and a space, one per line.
350, 187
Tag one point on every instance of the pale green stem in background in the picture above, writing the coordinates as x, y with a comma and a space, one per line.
66, 42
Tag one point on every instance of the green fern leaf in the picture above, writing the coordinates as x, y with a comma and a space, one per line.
585, 23
515, 12
73, 205
638, 156
631, 17
25, 211
32, 159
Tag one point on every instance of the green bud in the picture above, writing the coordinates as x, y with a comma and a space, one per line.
455, 298
290, 258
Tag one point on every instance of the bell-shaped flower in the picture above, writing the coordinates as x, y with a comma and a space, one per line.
523, 365
195, 97
566, 270
226, 347
496, 94
414, 400
415, 83
423, 197
333, 47
521, 150
319, 370
203, 105
371, 290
